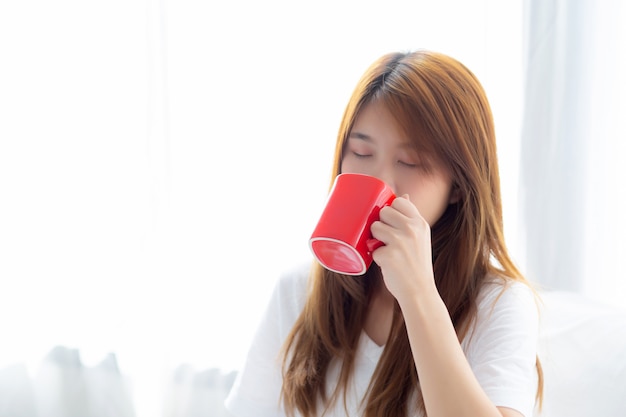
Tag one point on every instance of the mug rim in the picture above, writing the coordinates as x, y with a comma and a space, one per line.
341, 242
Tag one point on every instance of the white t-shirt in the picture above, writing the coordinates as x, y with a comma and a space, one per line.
501, 351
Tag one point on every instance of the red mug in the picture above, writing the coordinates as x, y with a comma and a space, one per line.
342, 241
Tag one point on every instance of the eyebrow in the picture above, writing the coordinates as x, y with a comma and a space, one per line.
358, 135
368, 138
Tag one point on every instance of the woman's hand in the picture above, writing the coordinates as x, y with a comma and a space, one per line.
407, 268
406, 258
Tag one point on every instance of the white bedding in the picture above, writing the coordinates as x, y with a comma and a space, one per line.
583, 352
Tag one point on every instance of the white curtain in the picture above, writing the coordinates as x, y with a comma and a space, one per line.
573, 142
572, 199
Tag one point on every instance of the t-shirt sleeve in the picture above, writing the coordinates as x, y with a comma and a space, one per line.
502, 348
256, 390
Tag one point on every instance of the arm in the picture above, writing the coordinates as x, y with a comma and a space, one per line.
448, 383
442, 367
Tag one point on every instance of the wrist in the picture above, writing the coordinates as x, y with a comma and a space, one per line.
421, 295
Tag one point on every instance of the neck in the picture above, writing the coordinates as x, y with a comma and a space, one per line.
379, 314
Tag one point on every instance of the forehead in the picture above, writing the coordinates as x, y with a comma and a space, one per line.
375, 122
380, 120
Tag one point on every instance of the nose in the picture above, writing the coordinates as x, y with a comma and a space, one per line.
385, 173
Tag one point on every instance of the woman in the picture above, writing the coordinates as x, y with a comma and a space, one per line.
442, 323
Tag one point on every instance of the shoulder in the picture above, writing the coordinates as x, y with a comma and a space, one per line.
289, 295
500, 295
501, 345
292, 283
505, 310
294, 278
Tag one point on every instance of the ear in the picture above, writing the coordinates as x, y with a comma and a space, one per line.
455, 194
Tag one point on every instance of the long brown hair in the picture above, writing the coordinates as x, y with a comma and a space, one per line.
443, 108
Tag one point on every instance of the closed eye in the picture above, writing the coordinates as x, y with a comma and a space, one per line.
408, 164
360, 155
421, 165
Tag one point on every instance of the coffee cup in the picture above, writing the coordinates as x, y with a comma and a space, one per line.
342, 241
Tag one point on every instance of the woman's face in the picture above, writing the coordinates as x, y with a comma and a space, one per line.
378, 147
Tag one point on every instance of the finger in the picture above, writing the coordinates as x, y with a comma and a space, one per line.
405, 206
401, 211
393, 217
382, 231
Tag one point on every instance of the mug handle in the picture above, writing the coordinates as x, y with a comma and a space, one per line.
373, 244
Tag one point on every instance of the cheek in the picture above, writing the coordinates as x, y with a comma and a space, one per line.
348, 166
438, 212
431, 202
342, 166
